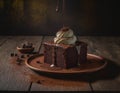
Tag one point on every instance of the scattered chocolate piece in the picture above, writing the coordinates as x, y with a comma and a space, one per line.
16, 54
12, 54
39, 82
22, 56
38, 62
28, 55
23, 45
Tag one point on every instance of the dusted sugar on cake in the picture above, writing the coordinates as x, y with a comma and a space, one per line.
61, 55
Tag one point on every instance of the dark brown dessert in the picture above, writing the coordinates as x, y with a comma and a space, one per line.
64, 56
62, 52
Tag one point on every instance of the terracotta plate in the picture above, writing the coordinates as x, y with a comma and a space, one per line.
94, 63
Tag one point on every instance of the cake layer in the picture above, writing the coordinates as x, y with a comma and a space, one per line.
61, 55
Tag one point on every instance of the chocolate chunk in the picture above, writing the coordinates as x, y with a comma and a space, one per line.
65, 29
16, 54
39, 82
38, 62
24, 46
12, 54
28, 55
22, 56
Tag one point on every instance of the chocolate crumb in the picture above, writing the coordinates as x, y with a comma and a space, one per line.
65, 28
39, 82
38, 62
16, 54
12, 54
28, 55
22, 56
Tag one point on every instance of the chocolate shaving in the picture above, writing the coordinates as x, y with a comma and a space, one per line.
65, 29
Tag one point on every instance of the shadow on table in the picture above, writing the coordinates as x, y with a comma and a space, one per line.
111, 71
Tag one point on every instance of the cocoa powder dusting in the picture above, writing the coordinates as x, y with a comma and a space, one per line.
65, 29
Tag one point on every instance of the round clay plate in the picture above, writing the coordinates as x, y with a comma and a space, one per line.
94, 63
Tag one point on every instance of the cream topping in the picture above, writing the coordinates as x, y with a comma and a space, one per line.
65, 36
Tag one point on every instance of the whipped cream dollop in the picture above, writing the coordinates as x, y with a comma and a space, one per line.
65, 36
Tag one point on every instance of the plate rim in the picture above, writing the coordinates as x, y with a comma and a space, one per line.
61, 72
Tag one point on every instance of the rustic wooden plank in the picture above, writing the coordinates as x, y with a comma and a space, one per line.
3, 39
13, 76
107, 79
47, 83
109, 48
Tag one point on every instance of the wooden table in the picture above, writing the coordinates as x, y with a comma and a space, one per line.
15, 77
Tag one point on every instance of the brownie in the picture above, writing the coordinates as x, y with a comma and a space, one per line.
61, 55
65, 56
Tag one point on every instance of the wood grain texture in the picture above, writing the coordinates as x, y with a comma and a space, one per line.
21, 78
13, 76
107, 79
58, 83
3, 39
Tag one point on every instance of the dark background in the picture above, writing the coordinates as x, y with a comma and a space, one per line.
38, 17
